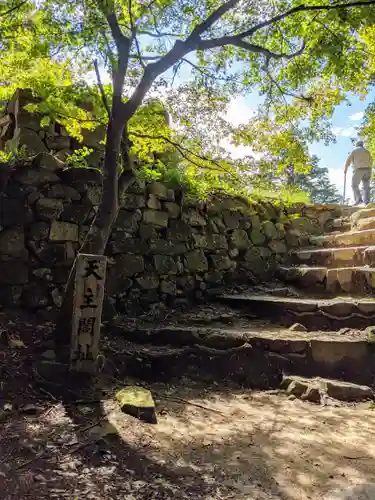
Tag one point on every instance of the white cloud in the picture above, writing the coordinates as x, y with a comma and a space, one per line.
238, 111
344, 131
357, 116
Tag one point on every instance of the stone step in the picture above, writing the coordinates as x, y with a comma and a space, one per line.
316, 313
355, 280
363, 213
311, 278
321, 390
348, 239
349, 356
341, 224
335, 257
363, 224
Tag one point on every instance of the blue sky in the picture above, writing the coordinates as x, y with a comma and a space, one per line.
345, 119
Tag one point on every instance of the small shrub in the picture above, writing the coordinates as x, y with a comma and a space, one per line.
78, 159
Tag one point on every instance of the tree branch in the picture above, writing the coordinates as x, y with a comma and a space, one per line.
145, 58
181, 48
101, 88
127, 176
211, 19
237, 41
303, 8
184, 151
117, 34
158, 35
12, 9
123, 44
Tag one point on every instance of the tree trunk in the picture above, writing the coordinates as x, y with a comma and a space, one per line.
99, 232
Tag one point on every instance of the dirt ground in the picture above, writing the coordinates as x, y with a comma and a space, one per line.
71, 441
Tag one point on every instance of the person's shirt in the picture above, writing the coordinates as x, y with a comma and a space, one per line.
360, 158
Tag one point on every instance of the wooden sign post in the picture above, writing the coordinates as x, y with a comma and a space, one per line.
87, 312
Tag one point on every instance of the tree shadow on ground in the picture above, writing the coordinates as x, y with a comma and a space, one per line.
215, 442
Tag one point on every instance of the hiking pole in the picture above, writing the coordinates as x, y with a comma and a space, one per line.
343, 196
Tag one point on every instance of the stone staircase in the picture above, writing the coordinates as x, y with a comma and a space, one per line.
315, 324
333, 279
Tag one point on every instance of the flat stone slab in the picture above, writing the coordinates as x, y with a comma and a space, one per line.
333, 257
317, 313
362, 214
317, 389
368, 223
354, 280
351, 238
304, 276
347, 355
351, 280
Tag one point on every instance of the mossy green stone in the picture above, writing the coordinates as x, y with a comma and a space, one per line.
137, 402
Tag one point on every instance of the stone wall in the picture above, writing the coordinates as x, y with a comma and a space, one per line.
21, 128
163, 248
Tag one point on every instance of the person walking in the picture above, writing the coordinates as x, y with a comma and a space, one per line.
361, 160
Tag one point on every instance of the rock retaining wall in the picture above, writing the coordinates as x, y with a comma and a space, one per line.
163, 248
20, 128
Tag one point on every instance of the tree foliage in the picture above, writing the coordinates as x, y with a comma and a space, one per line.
302, 58
194, 56
130, 59
316, 183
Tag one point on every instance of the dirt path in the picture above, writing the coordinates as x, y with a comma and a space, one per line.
241, 445
260, 446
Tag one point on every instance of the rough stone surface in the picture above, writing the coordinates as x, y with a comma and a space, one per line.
168, 287
163, 247
159, 190
35, 177
128, 221
194, 218
63, 231
317, 389
165, 264
12, 241
196, 261
13, 212
65, 192
155, 218
179, 230
257, 237
94, 194
173, 209
13, 272
232, 219
148, 281
153, 202
269, 230
30, 140
48, 161
221, 262
132, 201
240, 239
49, 208
39, 231
128, 265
